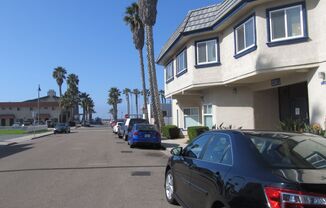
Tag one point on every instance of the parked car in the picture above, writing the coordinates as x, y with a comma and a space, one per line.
17, 125
248, 169
129, 124
117, 126
61, 128
121, 130
144, 134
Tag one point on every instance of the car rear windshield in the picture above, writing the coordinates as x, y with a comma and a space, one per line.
146, 128
291, 151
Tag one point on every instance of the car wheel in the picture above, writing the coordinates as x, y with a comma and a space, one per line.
132, 146
126, 138
169, 188
119, 136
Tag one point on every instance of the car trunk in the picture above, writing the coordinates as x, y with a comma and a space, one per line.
310, 180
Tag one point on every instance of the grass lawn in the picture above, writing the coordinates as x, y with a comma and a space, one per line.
12, 131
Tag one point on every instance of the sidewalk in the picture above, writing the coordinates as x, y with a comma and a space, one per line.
25, 138
172, 143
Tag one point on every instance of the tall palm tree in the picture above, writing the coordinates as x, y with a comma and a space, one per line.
113, 100
162, 95
67, 102
89, 108
126, 92
73, 93
132, 19
136, 92
147, 92
147, 13
59, 74
84, 98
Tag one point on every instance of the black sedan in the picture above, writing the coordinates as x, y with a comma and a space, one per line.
61, 128
248, 169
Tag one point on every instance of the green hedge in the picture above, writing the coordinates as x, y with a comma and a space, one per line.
195, 131
170, 131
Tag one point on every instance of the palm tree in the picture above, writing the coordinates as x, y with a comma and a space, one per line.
59, 74
137, 28
136, 92
147, 13
126, 92
162, 95
89, 108
73, 93
84, 97
67, 103
114, 99
148, 94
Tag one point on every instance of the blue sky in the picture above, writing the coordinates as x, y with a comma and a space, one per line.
87, 37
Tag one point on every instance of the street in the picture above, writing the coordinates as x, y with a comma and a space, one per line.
86, 169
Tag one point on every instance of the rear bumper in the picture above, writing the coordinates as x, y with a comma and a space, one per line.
150, 141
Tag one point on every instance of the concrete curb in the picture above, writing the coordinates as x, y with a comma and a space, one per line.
24, 139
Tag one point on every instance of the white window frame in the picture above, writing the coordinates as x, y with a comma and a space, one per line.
184, 55
245, 35
184, 116
166, 72
216, 52
207, 114
286, 24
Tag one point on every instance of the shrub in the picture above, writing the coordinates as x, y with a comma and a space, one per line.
195, 131
170, 131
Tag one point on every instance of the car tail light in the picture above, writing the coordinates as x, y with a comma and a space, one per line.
284, 198
136, 133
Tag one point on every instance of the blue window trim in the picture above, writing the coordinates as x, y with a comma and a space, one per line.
305, 37
185, 70
252, 48
172, 78
217, 63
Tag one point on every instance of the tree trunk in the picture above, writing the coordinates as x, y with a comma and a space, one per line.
84, 116
128, 104
142, 69
115, 111
151, 62
136, 99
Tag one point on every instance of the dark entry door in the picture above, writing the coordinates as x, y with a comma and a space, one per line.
3, 122
294, 102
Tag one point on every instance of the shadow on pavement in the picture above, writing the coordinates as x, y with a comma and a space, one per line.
83, 168
6, 151
170, 145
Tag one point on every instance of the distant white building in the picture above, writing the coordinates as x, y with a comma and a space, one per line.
166, 112
27, 111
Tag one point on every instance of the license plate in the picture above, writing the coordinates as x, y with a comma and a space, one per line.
147, 135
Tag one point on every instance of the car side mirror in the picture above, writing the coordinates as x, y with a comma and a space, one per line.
177, 151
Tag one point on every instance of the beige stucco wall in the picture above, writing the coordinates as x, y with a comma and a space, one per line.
266, 109
317, 97
263, 59
26, 112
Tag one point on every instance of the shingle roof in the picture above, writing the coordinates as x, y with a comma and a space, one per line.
200, 19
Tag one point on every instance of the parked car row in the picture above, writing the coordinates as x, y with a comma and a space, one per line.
138, 132
248, 169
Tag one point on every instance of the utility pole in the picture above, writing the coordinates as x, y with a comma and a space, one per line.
38, 105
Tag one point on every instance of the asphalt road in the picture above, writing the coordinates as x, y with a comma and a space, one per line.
89, 168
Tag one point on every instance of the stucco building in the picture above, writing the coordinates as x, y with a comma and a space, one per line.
248, 63
27, 111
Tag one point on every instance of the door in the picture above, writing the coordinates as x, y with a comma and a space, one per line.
3, 122
182, 167
208, 173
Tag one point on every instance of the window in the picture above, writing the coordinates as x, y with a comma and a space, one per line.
53, 108
197, 146
182, 62
219, 150
207, 52
245, 35
191, 117
31, 109
286, 23
18, 109
45, 108
208, 116
169, 72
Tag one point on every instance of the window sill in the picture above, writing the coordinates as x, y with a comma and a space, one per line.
288, 41
247, 51
182, 72
207, 65
169, 80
